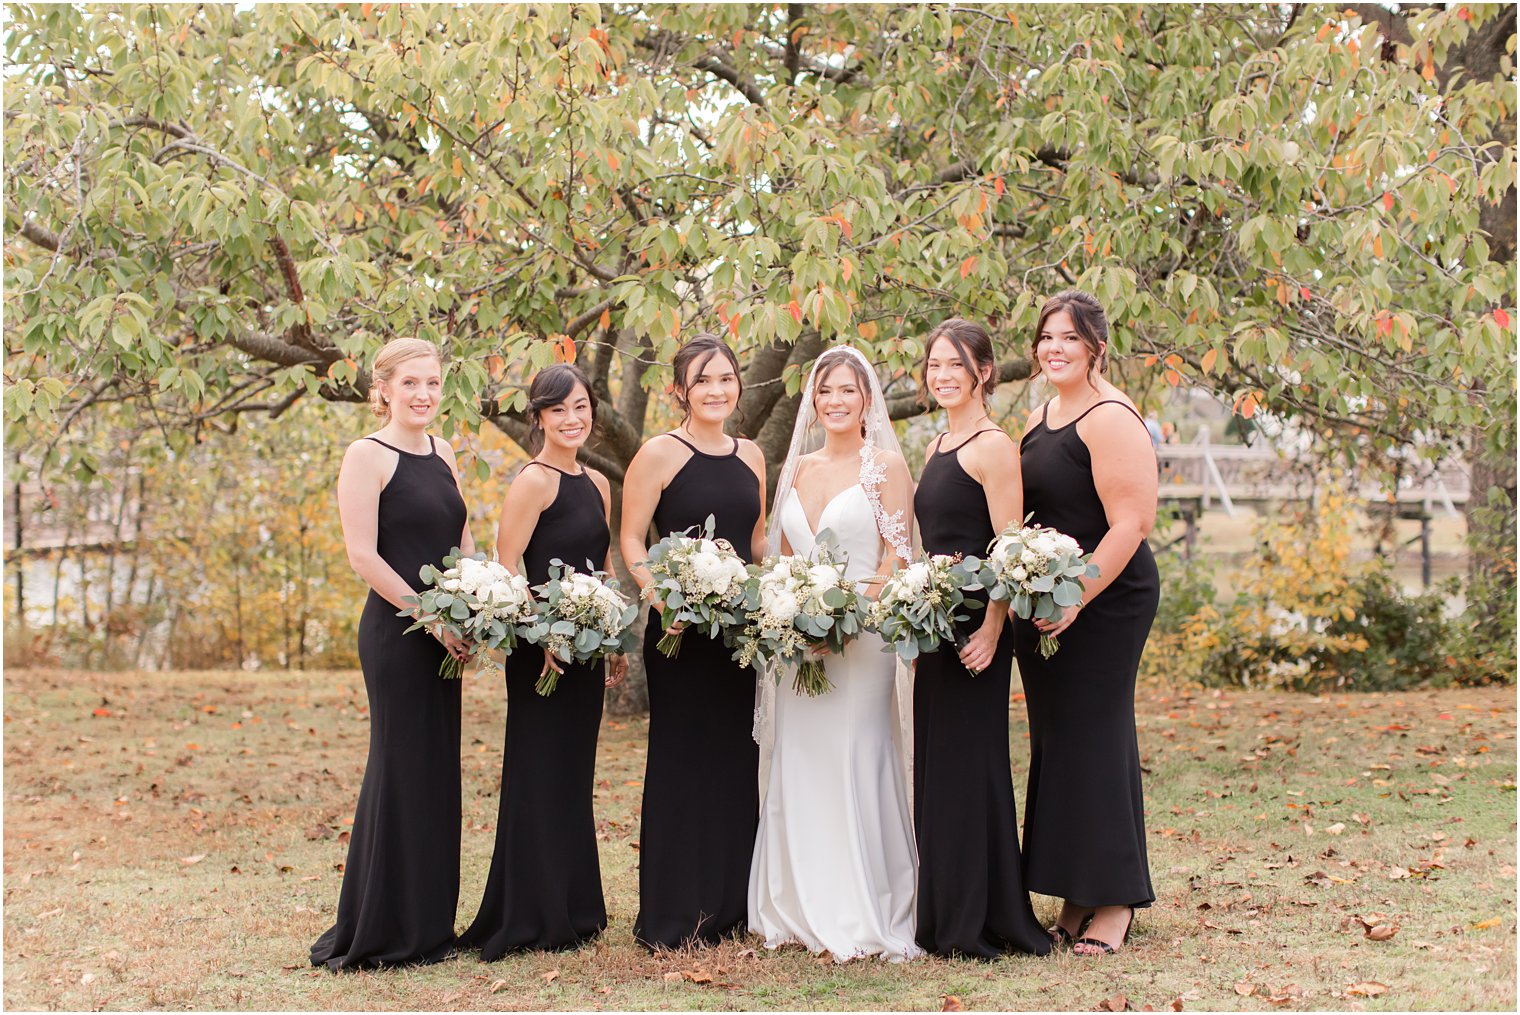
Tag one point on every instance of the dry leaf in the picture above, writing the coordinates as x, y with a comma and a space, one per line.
1370, 988
1487, 924
697, 976
497, 985
1176, 1004
188, 860
672, 977
1245, 988
951, 1003
1335, 829
550, 976
1116, 1003
1382, 931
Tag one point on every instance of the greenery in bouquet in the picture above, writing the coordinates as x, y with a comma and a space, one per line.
700, 580
919, 606
580, 618
1037, 570
795, 604
477, 600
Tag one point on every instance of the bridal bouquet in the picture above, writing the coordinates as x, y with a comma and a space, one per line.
1037, 570
918, 606
477, 600
793, 604
581, 617
701, 580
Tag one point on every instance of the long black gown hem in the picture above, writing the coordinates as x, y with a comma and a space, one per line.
340, 963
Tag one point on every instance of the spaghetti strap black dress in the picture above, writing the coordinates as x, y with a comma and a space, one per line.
971, 895
401, 879
701, 784
1084, 814
544, 891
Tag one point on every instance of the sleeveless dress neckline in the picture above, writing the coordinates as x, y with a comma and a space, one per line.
1045, 414
732, 452
432, 448
950, 451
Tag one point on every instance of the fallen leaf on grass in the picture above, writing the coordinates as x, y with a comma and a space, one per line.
1176, 1004
1116, 1003
1335, 829
550, 976
1245, 988
748, 953
1382, 931
1370, 988
696, 975
1487, 924
317, 832
672, 977
951, 1003
497, 985
188, 860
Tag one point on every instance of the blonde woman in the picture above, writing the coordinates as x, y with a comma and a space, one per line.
401, 508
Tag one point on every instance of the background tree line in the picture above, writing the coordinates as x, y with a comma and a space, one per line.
212, 212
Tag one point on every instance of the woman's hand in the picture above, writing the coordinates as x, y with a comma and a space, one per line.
1059, 624
456, 646
977, 652
676, 627
617, 669
818, 650
551, 663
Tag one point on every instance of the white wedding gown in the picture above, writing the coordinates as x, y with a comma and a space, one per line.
835, 863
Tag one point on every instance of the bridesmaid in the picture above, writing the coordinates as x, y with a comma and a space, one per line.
400, 505
1089, 470
545, 886
701, 798
971, 896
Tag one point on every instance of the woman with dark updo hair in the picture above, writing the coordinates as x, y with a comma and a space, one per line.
1089, 470
701, 790
971, 895
544, 891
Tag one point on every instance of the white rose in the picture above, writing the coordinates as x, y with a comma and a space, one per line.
823, 576
707, 546
781, 605
916, 577
450, 584
1029, 557
1019, 574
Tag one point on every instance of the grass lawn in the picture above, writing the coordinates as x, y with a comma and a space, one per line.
174, 841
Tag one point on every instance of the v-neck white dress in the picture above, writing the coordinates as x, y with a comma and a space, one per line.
835, 863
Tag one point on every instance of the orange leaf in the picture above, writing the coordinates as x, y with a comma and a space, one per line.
458, 168
605, 320
733, 325
967, 265
1384, 324
1282, 293
1388, 201
1463, 14
1173, 378
613, 161
1208, 361
1502, 317
1377, 245
1150, 361
1303, 291
1173, 360
796, 309
847, 268
867, 330
998, 186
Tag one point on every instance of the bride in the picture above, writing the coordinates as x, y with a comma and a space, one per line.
835, 863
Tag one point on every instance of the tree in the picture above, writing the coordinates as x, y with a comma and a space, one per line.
217, 211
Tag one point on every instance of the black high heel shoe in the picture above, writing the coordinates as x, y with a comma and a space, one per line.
1064, 938
1104, 946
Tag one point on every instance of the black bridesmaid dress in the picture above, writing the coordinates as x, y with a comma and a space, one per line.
545, 887
1084, 813
701, 794
401, 881
971, 895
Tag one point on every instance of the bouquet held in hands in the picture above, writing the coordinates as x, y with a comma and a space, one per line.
1037, 570
795, 605
477, 600
581, 618
919, 606
700, 581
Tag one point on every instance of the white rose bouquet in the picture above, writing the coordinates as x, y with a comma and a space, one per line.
701, 582
581, 617
1037, 570
478, 600
793, 604
919, 605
